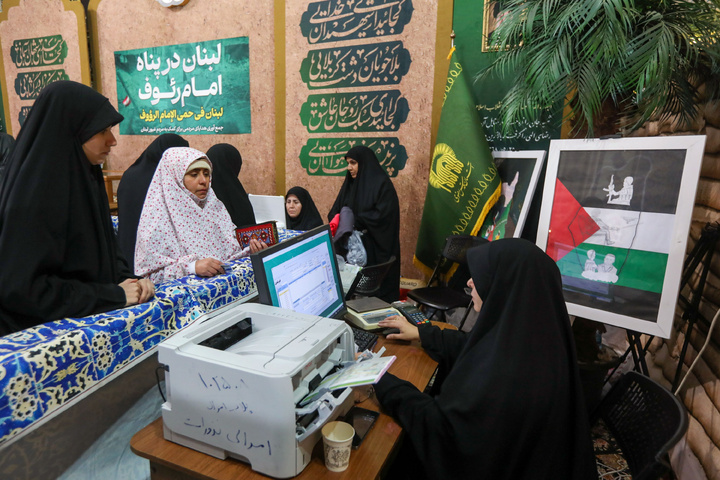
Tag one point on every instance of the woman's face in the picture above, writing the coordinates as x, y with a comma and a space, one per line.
98, 146
198, 182
352, 166
293, 206
477, 301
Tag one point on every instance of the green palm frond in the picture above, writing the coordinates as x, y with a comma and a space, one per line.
647, 58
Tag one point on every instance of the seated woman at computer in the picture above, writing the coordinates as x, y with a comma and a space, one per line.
370, 193
59, 253
300, 210
227, 162
509, 402
133, 188
184, 229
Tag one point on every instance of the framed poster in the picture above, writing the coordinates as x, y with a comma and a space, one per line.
615, 217
492, 17
519, 172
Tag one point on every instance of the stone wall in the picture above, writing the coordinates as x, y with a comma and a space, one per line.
698, 454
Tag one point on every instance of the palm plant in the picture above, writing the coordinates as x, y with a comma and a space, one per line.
643, 59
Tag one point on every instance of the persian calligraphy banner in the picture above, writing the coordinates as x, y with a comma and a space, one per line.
39, 52
331, 20
326, 156
193, 88
464, 183
379, 111
356, 66
31, 53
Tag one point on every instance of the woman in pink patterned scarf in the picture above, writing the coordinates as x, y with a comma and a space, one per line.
184, 228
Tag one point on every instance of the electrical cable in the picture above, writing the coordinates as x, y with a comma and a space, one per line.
157, 379
700, 353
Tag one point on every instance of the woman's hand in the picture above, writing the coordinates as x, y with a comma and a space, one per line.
137, 291
147, 289
209, 267
256, 245
408, 331
132, 291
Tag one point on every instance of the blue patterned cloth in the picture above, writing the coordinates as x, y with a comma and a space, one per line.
44, 367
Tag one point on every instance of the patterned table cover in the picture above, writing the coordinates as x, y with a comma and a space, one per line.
44, 367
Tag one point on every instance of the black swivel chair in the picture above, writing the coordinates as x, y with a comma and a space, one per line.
438, 295
646, 419
369, 279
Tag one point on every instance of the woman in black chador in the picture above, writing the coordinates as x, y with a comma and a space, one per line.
509, 404
369, 192
227, 162
300, 210
60, 255
133, 188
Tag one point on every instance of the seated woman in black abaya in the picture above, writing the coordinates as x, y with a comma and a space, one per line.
227, 162
371, 196
300, 210
60, 255
508, 403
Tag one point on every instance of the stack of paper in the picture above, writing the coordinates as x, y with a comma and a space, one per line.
366, 372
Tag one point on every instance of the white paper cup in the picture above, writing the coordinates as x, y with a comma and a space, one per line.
337, 440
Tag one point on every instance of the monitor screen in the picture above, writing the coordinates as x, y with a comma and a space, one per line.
301, 274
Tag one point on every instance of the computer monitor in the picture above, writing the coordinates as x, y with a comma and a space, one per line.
301, 274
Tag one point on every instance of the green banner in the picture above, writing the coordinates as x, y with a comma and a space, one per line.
377, 111
188, 89
356, 66
464, 183
29, 84
39, 51
326, 156
335, 20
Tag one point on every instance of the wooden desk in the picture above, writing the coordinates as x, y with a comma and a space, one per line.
169, 460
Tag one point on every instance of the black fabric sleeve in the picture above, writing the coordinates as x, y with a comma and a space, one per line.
123, 268
443, 346
418, 414
51, 297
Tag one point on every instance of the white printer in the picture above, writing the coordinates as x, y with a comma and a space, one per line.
240, 398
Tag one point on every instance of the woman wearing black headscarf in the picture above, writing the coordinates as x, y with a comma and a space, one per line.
60, 255
370, 194
133, 188
227, 161
510, 405
300, 210
7, 142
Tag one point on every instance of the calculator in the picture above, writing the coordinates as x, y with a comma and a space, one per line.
411, 313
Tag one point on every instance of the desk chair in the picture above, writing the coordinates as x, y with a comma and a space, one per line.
442, 297
369, 279
646, 419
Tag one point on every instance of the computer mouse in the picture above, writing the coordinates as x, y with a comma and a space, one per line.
389, 331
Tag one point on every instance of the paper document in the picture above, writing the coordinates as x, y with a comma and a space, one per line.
268, 207
366, 372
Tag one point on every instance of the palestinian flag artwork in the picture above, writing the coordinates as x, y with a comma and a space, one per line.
612, 228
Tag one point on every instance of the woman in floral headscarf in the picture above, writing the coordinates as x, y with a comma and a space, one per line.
184, 229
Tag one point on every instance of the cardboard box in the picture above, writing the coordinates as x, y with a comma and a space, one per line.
407, 284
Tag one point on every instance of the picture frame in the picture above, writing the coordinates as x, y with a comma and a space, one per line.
615, 218
520, 172
492, 16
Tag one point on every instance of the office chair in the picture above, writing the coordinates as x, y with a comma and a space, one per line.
369, 279
646, 419
442, 297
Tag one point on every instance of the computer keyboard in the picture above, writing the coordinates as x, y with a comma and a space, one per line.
363, 339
